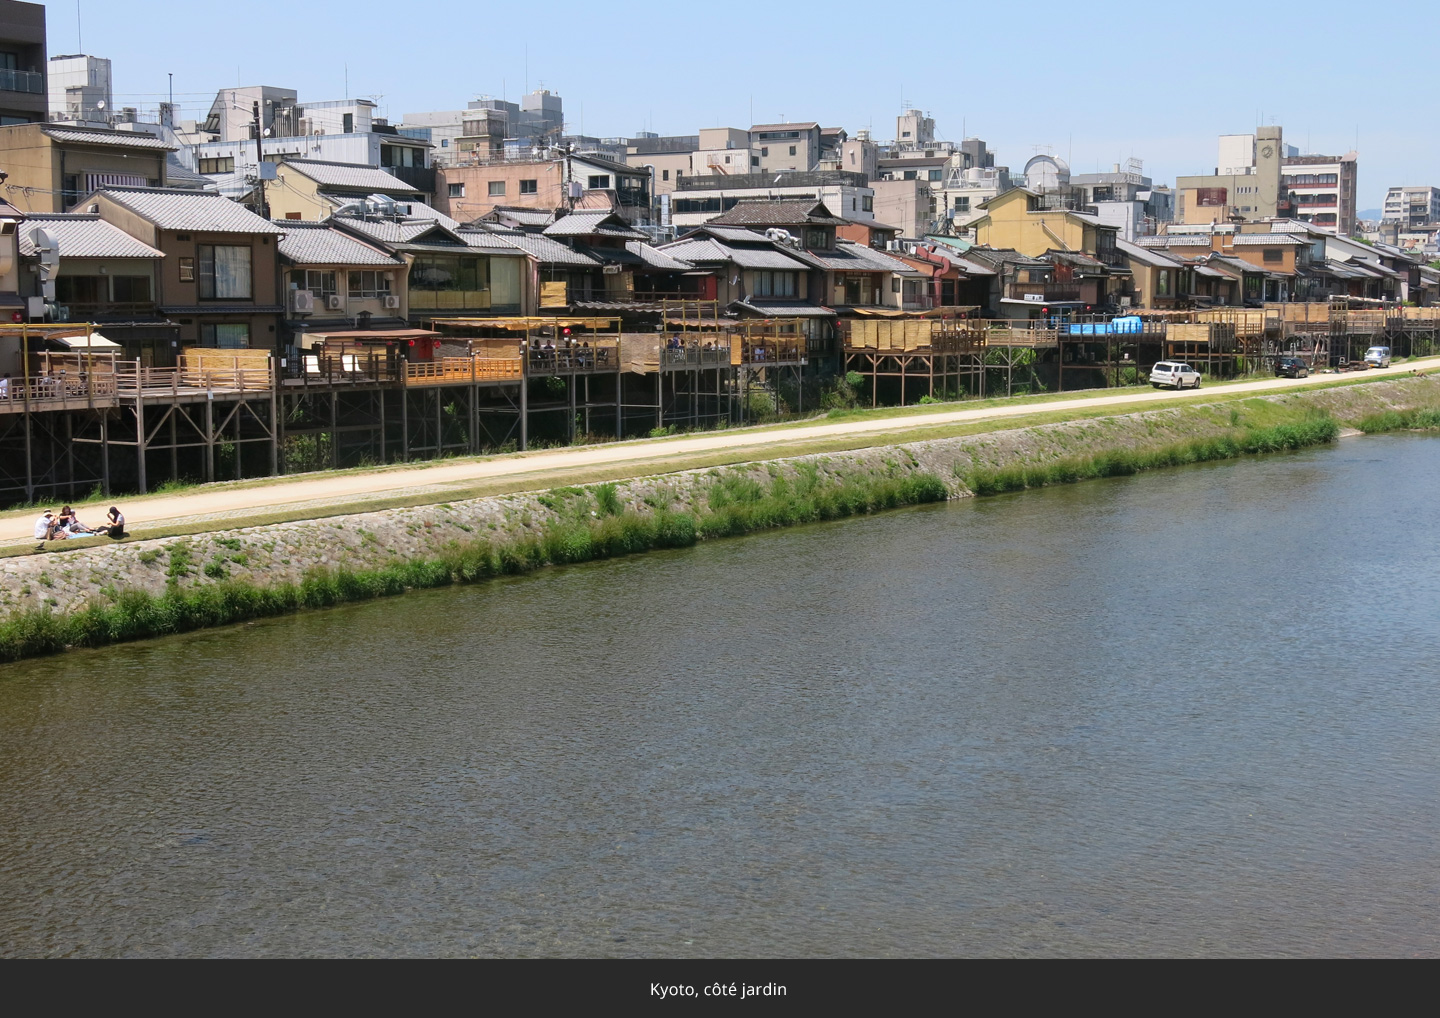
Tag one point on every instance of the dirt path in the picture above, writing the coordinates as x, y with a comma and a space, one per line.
222, 500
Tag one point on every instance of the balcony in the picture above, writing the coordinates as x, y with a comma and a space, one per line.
21, 81
1044, 293
421, 178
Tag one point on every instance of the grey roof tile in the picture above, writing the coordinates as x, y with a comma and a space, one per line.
115, 139
656, 258
592, 222
763, 212
179, 209
82, 235
321, 244
547, 251
350, 176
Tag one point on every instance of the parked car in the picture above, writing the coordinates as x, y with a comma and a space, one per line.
1181, 376
1378, 356
1291, 367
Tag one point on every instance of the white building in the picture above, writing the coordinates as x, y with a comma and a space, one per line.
80, 88
1411, 206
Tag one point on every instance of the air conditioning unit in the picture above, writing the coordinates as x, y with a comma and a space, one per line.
335, 302
392, 301
302, 302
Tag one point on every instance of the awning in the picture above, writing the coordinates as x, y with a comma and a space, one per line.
1043, 304
94, 341
939, 312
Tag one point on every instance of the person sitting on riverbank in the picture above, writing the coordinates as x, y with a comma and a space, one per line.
116, 523
72, 525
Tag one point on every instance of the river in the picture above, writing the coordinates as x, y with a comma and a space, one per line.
1187, 713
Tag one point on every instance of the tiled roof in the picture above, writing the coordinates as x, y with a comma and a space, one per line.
350, 176
739, 233
657, 259
597, 222
486, 240
547, 251
321, 244
115, 139
1147, 256
82, 235
403, 231
785, 127
177, 175
785, 310
761, 212
179, 209
524, 217
851, 257
706, 249
1268, 240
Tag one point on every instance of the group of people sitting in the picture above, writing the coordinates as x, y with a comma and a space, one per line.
53, 527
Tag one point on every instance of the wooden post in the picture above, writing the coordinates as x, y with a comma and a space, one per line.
404, 424
209, 436
524, 414
381, 442
105, 452
139, 433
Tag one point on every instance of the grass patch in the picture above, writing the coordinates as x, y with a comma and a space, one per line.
1400, 420
134, 615
1123, 462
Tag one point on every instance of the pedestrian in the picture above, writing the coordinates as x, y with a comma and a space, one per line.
43, 525
116, 527
5, 386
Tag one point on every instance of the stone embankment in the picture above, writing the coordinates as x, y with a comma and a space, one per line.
286, 553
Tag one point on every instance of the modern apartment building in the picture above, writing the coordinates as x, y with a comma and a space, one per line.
1321, 190
1411, 206
22, 63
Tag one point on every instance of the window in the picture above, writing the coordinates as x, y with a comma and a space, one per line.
456, 190
602, 180
187, 270
368, 284
131, 289
853, 204
909, 175
792, 150
224, 272
497, 188
936, 174
904, 134
817, 239
529, 187
347, 123
80, 289
1273, 254
868, 201
294, 215
664, 174
894, 284
318, 282
9, 61
1162, 283
1210, 197
775, 284
765, 151
221, 165
754, 160
962, 204
227, 336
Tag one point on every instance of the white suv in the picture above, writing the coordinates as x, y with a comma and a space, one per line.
1181, 376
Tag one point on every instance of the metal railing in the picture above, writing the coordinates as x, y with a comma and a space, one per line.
21, 81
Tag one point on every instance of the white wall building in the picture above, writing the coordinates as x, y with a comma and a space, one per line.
80, 88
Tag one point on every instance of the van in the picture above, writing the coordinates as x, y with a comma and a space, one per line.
1378, 356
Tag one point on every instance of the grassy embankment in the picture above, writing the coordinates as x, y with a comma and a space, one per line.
735, 506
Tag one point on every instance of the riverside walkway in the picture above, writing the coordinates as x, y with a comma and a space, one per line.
433, 481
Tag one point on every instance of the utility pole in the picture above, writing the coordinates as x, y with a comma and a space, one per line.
260, 163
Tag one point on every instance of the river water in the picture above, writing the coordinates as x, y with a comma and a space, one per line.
1188, 713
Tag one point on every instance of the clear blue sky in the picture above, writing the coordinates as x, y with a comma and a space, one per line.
1092, 83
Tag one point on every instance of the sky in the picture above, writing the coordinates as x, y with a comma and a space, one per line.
1093, 84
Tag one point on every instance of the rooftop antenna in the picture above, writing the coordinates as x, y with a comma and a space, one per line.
79, 39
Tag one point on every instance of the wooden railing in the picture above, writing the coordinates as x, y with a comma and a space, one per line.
56, 392
462, 370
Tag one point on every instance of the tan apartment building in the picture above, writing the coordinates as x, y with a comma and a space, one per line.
53, 166
466, 193
1246, 184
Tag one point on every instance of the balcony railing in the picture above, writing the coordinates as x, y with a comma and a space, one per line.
21, 81
1042, 292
